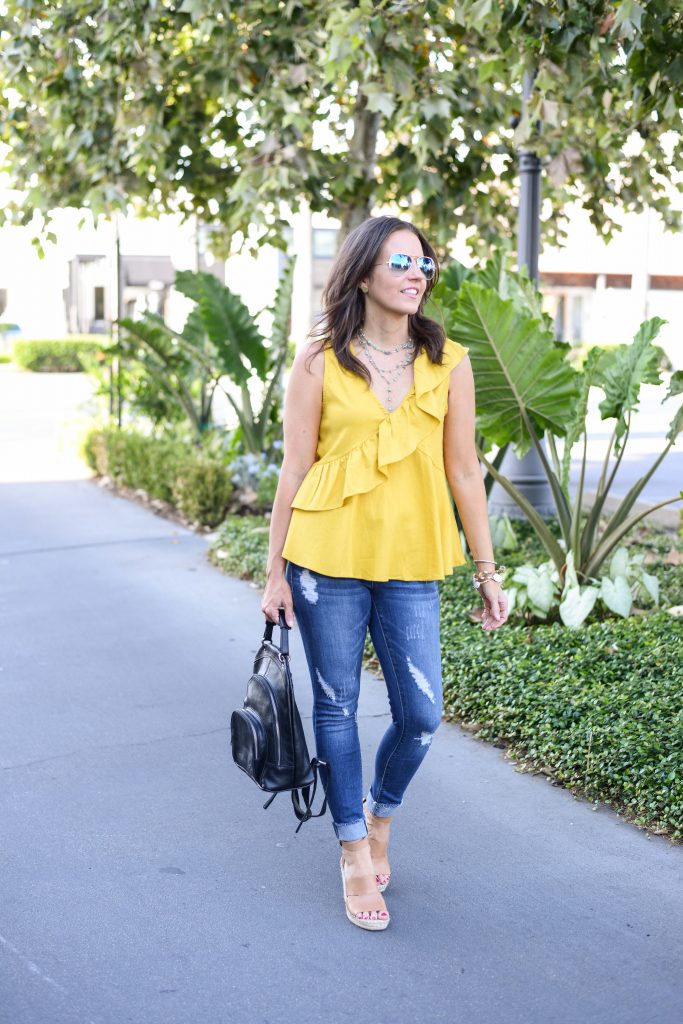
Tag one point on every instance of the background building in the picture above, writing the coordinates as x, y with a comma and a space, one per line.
597, 292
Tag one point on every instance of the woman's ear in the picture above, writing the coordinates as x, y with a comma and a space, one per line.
363, 285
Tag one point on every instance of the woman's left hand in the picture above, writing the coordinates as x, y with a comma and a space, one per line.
495, 605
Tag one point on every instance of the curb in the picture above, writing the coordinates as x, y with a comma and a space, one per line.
668, 518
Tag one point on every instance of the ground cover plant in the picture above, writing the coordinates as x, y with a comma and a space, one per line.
600, 713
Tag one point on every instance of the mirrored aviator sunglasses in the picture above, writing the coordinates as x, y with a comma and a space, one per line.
400, 262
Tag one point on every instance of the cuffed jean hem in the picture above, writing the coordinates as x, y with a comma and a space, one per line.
348, 831
380, 810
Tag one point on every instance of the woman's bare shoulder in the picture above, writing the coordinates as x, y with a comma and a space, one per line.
310, 359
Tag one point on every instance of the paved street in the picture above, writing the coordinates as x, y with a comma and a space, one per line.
646, 440
142, 882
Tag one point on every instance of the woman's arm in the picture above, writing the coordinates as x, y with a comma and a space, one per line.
467, 485
301, 423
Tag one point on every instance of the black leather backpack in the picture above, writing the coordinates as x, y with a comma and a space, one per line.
267, 737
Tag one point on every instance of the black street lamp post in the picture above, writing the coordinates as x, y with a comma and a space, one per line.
527, 473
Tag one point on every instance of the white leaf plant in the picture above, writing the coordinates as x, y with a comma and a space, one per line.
536, 590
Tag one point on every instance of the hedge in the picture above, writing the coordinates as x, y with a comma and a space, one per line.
63, 355
198, 486
600, 709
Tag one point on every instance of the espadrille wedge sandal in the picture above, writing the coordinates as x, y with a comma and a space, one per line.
363, 904
378, 837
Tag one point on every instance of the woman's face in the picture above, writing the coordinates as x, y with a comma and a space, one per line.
389, 290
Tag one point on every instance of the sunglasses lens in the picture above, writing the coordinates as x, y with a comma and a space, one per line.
426, 265
399, 261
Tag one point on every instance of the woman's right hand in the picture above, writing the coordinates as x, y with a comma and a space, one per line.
278, 594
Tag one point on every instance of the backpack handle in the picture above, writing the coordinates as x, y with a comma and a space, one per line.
284, 638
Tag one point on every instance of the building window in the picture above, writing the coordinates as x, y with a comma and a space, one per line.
558, 317
324, 243
576, 318
569, 312
99, 303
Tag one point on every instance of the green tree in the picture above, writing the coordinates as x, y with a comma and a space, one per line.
227, 110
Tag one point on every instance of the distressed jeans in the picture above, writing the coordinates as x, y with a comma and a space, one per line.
333, 614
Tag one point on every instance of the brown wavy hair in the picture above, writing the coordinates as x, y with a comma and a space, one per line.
343, 303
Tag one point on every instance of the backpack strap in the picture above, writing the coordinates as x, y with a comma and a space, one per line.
306, 812
308, 795
284, 639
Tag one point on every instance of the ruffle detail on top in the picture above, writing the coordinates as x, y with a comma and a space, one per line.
331, 481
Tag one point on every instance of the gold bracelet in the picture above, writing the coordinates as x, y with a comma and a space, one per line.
484, 576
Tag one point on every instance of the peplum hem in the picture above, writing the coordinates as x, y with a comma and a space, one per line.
332, 481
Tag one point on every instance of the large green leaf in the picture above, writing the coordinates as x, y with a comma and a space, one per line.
675, 388
150, 333
675, 384
228, 324
518, 371
676, 426
622, 371
156, 348
454, 276
512, 284
577, 424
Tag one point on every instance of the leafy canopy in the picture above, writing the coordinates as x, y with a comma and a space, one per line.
239, 112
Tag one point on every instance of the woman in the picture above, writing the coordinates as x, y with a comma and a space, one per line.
378, 418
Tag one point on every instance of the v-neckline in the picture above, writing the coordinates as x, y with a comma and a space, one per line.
389, 412
411, 390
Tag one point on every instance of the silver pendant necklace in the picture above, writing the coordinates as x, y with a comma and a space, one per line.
389, 376
378, 348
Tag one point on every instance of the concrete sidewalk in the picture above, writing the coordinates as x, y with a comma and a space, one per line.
142, 881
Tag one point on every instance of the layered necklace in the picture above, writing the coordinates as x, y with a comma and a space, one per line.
389, 376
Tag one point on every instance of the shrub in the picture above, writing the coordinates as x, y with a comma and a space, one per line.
65, 355
202, 489
167, 469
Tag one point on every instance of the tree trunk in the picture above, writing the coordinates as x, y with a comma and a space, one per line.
363, 158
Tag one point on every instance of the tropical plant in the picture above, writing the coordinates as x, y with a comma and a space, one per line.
164, 372
503, 534
539, 593
219, 347
516, 287
527, 391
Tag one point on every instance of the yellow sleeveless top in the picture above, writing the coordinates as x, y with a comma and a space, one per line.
375, 504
